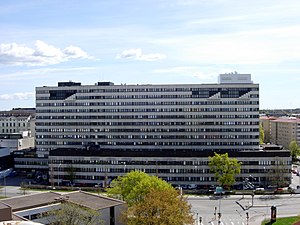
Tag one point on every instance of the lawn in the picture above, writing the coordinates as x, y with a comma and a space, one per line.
283, 221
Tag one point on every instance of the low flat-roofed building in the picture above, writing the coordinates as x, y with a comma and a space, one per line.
5, 212
31, 207
92, 167
16, 141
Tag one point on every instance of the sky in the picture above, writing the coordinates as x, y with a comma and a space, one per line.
43, 42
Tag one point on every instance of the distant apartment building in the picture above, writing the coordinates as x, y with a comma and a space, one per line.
17, 129
285, 130
148, 117
265, 123
14, 124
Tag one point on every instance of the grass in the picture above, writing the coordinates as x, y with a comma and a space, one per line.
283, 221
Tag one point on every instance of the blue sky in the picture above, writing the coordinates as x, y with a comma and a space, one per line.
43, 42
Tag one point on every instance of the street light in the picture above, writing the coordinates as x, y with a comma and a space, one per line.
4, 179
58, 175
247, 217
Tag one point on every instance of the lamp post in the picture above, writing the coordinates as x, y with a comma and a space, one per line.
4, 179
4, 185
58, 175
265, 177
247, 217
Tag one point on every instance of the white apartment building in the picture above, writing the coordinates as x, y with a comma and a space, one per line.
285, 130
145, 117
15, 124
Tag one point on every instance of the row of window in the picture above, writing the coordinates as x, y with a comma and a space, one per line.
146, 130
216, 102
149, 89
96, 117
148, 143
12, 124
123, 163
97, 110
188, 123
117, 137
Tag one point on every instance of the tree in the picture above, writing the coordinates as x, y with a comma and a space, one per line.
135, 185
279, 173
261, 135
23, 188
160, 207
70, 213
71, 171
294, 149
150, 200
225, 168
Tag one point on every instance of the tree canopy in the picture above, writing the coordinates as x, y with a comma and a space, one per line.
150, 200
295, 149
224, 168
135, 185
261, 135
70, 213
160, 207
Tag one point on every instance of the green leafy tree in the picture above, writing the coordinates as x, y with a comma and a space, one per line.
224, 168
160, 207
23, 188
294, 149
150, 200
134, 186
261, 135
278, 173
71, 173
72, 214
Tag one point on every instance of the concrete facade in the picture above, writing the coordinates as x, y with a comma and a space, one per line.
192, 117
265, 122
178, 168
285, 130
16, 124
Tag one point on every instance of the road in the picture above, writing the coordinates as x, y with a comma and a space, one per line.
234, 209
10, 187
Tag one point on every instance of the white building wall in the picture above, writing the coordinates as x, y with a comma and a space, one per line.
149, 117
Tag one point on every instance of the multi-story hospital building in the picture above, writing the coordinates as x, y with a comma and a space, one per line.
124, 121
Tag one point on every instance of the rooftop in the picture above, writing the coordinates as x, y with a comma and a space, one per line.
92, 201
82, 198
288, 120
31, 201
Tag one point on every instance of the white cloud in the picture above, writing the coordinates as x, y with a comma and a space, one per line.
137, 54
43, 54
17, 96
76, 52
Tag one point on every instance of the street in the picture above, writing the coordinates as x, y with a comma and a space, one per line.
238, 209
233, 210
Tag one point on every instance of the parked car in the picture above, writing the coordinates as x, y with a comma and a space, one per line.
192, 186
